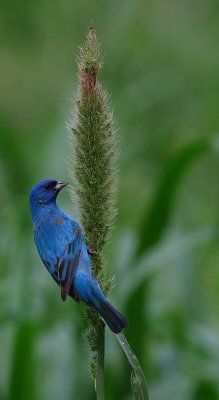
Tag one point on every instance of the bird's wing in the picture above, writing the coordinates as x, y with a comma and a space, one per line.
59, 244
67, 263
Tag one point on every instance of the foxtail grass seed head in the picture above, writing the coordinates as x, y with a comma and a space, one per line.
92, 166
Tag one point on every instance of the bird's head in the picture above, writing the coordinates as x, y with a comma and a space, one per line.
45, 192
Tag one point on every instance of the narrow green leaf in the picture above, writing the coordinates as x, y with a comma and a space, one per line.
138, 380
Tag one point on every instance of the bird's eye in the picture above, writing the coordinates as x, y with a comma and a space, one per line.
49, 186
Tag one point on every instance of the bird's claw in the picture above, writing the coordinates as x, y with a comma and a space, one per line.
91, 251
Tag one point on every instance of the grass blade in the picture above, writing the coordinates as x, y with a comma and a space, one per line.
138, 380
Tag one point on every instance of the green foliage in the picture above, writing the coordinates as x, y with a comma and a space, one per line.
155, 221
23, 373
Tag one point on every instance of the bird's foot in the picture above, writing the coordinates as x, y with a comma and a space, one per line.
91, 251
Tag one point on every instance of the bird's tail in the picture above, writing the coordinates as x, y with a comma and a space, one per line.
113, 318
91, 293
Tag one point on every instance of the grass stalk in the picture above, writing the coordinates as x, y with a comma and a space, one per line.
100, 362
93, 178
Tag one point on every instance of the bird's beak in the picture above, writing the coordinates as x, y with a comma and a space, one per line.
60, 185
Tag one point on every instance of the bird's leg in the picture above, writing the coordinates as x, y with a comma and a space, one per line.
91, 251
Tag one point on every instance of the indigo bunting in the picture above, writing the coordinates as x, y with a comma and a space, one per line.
60, 243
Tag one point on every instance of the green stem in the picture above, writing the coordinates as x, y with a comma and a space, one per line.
138, 380
100, 362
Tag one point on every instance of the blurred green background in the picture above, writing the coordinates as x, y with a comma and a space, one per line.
162, 68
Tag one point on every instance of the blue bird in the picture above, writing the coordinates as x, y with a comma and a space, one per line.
61, 247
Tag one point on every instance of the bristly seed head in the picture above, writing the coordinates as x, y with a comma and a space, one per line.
92, 163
